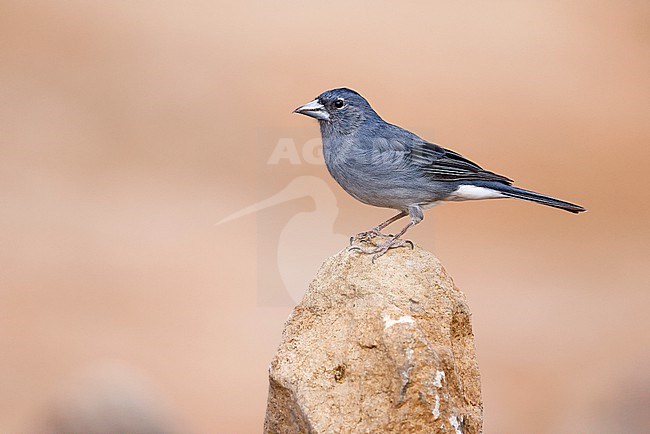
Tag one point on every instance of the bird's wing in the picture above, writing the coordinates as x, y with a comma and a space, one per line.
445, 165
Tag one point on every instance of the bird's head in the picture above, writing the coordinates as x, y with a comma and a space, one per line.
344, 110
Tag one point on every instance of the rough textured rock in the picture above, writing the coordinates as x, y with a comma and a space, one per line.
383, 347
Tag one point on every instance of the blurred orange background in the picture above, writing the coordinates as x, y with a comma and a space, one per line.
128, 129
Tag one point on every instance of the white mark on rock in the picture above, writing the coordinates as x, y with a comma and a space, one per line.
406, 371
388, 322
436, 408
440, 377
453, 420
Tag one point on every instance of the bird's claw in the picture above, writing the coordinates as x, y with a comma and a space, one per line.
381, 249
368, 235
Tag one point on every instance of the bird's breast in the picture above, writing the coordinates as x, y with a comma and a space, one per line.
378, 179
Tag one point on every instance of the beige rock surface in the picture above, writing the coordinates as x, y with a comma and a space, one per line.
383, 347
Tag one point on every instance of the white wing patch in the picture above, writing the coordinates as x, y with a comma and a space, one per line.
472, 192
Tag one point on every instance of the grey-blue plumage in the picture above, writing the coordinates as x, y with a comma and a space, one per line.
387, 166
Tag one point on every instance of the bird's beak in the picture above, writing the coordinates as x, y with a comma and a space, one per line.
313, 109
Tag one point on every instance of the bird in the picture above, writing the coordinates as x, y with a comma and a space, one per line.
384, 165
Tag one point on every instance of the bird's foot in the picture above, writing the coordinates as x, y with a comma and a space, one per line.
380, 249
366, 236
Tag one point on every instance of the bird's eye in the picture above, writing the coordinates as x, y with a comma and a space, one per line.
339, 103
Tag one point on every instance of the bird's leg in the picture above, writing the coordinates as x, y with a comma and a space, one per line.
416, 215
376, 231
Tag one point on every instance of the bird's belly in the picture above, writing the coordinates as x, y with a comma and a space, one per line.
384, 189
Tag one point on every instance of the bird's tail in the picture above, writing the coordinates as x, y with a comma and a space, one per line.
520, 193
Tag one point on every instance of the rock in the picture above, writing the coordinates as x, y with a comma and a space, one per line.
377, 348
